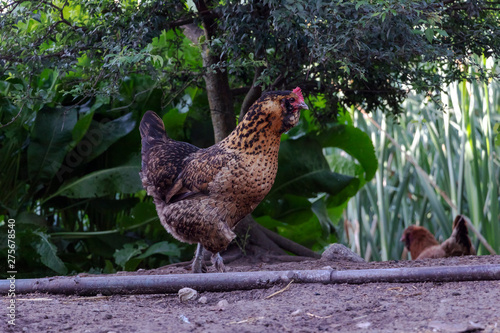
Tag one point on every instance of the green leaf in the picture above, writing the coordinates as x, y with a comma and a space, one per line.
356, 143
81, 126
100, 136
122, 179
157, 58
48, 253
124, 256
344, 165
307, 233
268, 222
283, 227
108, 268
304, 171
165, 248
51, 139
143, 211
442, 32
496, 128
290, 209
319, 209
429, 34
174, 124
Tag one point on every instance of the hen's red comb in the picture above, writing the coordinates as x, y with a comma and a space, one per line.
298, 92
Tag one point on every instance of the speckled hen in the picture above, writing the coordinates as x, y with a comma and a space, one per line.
201, 194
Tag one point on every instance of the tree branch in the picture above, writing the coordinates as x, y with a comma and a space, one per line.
288, 245
253, 94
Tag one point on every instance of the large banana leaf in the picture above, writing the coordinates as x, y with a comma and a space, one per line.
101, 135
122, 179
356, 143
304, 171
50, 140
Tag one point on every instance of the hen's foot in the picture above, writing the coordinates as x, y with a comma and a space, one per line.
197, 266
218, 263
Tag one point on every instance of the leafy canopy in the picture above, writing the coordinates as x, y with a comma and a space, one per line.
368, 52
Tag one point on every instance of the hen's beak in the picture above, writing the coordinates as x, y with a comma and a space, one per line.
303, 106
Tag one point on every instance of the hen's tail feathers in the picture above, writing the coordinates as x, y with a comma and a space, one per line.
461, 232
152, 130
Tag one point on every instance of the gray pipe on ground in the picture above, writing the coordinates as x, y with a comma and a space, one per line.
160, 284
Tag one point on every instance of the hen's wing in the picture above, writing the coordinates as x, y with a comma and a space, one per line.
163, 159
174, 170
199, 171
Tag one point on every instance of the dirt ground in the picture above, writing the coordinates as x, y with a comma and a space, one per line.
374, 307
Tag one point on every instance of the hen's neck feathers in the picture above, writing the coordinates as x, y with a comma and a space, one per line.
258, 131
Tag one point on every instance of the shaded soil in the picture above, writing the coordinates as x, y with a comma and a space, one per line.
374, 307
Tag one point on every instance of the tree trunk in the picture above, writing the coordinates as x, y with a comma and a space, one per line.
220, 98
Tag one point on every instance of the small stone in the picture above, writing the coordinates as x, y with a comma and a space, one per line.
222, 305
340, 252
327, 268
184, 319
460, 326
297, 312
187, 294
203, 300
108, 316
365, 324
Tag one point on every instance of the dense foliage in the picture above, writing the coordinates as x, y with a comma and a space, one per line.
76, 77
432, 166
353, 51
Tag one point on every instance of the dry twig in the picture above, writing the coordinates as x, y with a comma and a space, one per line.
279, 291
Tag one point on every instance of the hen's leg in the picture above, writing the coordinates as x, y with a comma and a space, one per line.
198, 260
218, 263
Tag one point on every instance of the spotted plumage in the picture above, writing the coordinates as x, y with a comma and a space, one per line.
201, 194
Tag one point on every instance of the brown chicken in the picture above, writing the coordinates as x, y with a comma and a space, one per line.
422, 244
201, 194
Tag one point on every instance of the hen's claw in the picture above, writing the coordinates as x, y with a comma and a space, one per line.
218, 263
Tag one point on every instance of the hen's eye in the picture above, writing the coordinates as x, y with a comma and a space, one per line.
292, 100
